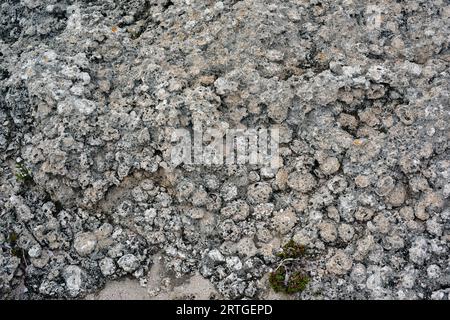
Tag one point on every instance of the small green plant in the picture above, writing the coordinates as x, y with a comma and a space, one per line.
288, 277
12, 239
23, 174
282, 281
14, 248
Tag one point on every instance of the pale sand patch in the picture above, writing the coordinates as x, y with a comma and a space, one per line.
195, 287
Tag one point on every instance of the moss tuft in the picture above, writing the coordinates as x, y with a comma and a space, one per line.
12, 238
22, 173
288, 277
281, 281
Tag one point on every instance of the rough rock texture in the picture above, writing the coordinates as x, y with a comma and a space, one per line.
89, 91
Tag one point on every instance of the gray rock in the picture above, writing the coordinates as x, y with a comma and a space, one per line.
73, 278
107, 266
340, 263
128, 263
90, 190
85, 243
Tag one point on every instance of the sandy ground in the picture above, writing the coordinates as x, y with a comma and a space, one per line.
158, 287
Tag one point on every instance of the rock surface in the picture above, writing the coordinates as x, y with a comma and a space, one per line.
89, 93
